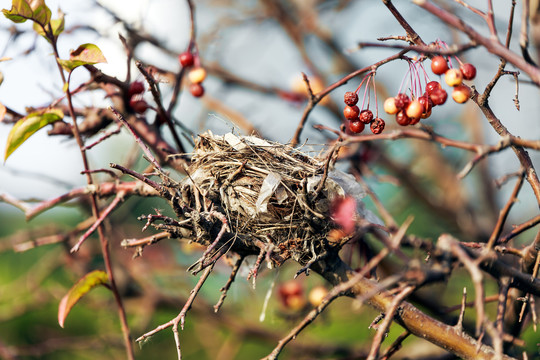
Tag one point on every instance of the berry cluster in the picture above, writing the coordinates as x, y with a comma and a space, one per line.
357, 118
136, 100
454, 77
196, 75
293, 298
409, 109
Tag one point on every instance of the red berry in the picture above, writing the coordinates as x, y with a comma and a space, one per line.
197, 90
356, 126
390, 106
350, 98
439, 65
438, 97
138, 104
366, 116
426, 115
414, 121
351, 112
186, 59
401, 101
290, 287
291, 295
402, 118
432, 85
468, 71
377, 126
461, 94
426, 103
136, 87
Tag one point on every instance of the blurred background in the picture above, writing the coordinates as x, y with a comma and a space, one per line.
250, 49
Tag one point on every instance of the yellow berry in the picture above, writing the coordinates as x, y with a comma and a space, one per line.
390, 106
453, 77
197, 75
461, 94
317, 294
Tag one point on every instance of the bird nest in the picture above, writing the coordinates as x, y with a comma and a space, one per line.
257, 197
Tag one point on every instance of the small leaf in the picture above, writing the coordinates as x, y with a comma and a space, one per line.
27, 126
35, 10
86, 54
40, 12
20, 11
57, 26
81, 288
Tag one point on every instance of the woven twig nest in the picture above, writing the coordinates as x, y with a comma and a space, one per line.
260, 197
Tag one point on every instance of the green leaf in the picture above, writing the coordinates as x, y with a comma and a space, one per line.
57, 26
22, 10
86, 54
81, 288
27, 126
40, 12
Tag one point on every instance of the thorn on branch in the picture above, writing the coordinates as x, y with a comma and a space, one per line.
459, 325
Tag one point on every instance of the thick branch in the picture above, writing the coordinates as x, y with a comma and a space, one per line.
409, 317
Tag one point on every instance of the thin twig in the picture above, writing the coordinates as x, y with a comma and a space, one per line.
179, 319
142, 145
448, 243
518, 229
396, 345
118, 198
162, 113
388, 317
224, 290
105, 136
503, 214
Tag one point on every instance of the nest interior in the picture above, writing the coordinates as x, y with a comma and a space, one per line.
268, 193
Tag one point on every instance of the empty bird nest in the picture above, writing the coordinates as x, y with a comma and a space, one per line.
255, 197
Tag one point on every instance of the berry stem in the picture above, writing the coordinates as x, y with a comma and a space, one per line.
426, 76
362, 82
403, 81
376, 103
458, 60
368, 77
418, 79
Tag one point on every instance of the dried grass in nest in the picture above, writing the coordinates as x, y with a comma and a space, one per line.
267, 191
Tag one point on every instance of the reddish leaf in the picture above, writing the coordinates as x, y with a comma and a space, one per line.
81, 288
86, 54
